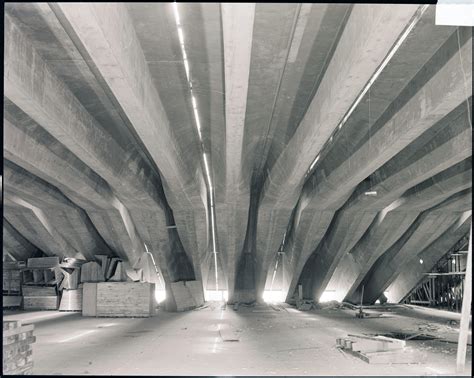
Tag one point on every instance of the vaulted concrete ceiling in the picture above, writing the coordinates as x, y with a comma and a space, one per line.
249, 146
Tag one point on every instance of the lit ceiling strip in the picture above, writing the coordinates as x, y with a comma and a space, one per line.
377, 73
198, 127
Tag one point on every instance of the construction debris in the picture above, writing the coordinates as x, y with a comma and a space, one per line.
379, 349
304, 304
328, 305
17, 348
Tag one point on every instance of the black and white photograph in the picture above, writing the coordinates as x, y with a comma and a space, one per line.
237, 189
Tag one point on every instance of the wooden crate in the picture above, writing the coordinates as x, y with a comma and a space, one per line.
118, 299
42, 276
40, 303
11, 281
12, 301
17, 348
39, 291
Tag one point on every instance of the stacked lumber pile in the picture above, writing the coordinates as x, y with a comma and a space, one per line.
17, 348
185, 295
40, 281
40, 297
379, 349
104, 269
12, 283
118, 299
71, 289
92, 272
43, 262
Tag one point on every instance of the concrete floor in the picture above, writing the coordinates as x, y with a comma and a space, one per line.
284, 342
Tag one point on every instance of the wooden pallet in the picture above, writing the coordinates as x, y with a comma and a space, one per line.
17, 348
12, 301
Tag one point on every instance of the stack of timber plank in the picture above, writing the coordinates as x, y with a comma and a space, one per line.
43, 262
71, 300
104, 269
118, 299
379, 349
40, 282
92, 272
12, 283
185, 295
17, 348
40, 297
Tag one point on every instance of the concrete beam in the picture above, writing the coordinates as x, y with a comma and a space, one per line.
415, 162
59, 215
232, 215
369, 28
107, 36
31, 148
390, 226
444, 145
29, 222
411, 272
428, 226
424, 109
15, 245
32, 87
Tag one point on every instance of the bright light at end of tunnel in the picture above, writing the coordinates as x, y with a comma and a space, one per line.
160, 295
273, 296
421, 261
216, 295
330, 295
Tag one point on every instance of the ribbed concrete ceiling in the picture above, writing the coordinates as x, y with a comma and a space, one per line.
250, 146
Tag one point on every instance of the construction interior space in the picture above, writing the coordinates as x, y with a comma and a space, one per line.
236, 189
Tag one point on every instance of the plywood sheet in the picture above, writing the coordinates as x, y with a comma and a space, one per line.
89, 299
40, 303
125, 299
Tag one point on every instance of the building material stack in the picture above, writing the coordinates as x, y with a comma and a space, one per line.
76, 273
12, 283
379, 349
40, 282
17, 348
118, 299
71, 288
104, 269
